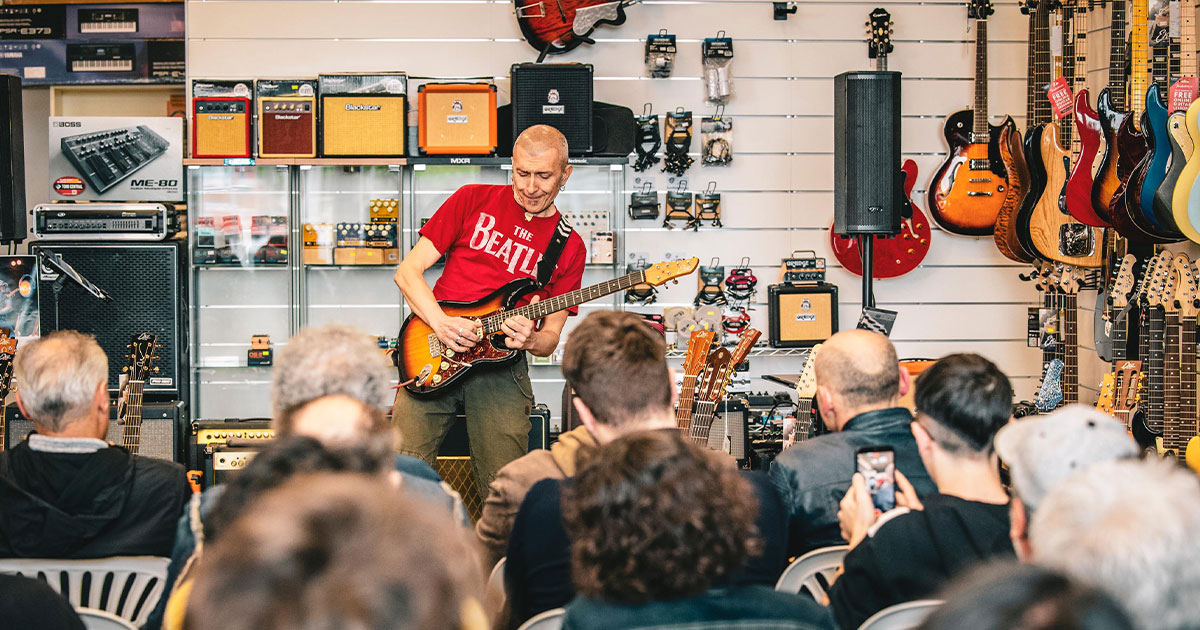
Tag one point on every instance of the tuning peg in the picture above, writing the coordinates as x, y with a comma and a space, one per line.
155, 369
125, 369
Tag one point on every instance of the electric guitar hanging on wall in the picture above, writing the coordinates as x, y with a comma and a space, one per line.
698, 346
129, 406
1077, 196
427, 366
1158, 283
1180, 426
1110, 106
806, 391
8, 350
899, 254
559, 26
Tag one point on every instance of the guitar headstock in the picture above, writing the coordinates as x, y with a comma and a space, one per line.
1128, 385
806, 387
658, 273
1107, 398
1123, 282
698, 346
745, 344
879, 34
980, 9
1069, 279
1154, 282
712, 380
141, 356
1185, 297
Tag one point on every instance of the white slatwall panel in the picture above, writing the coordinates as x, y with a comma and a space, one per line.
778, 192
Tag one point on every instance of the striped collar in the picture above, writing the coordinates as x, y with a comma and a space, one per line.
47, 444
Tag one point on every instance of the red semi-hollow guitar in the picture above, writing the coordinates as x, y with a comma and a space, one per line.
558, 26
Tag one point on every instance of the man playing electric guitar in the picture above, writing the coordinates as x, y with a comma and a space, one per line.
491, 235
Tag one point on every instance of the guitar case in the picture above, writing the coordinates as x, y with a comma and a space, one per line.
614, 130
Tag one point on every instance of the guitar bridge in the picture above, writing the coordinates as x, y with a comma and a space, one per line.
527, 11
435, 346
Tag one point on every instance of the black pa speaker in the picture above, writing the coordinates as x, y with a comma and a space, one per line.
555, 94
160, 434
12, 161
146, 282
868, 192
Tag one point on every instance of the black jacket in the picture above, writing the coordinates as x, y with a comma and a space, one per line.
813, 476
537, 575
29, 603
914, 555
88, 505
748, 607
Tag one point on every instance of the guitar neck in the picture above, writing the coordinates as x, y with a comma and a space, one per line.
980, 128
1079, 66
131, 438
1139, 79
881, 62
1039, 105
1116, 56
687, 400
1187, 29
1070, 350
491, 325
701, 426
1156, 352
1171, 379
1162, 63
1178, 430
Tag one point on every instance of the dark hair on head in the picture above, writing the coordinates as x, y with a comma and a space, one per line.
279, 462
1014, 596
968, 398
338, 550
654, 517
617, 364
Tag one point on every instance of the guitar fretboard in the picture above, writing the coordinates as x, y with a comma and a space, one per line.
131, 437
1070, 356
1140, 35
1171, 363
491, 324
1156, 351
1180, 428
1116, 56
1038, 106
687, 399
706, 412
1187, 28
980, 127
1066, 132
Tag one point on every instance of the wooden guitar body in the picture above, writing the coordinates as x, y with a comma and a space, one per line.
969, 188
423, 367
1055, 234
1181, 199
892, 256
559, 26
1108, 179
1012, 151
1077, 196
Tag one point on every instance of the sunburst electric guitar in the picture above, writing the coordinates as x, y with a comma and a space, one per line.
427, 366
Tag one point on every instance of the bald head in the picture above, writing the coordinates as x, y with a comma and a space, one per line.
538, 140
338, 421
859, 366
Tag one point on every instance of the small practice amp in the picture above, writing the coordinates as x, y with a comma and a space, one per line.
207, 436
162, 427
363, 115
220, 127
801, 315
555, 94
457, 118
729, 431
287, 118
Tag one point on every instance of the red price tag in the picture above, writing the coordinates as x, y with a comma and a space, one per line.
1059, 94
1183, 92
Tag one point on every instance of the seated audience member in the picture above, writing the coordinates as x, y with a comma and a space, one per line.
338, 551
29, 603
1128, 527
962, 401
1041, 451
859, 385
64, 491
1012, 596
617, 365
686, 524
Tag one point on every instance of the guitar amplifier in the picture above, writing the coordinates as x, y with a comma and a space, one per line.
730, 432
801, 316
555, 94
363, 115
220, 127
457, 118
287, 118
161, 432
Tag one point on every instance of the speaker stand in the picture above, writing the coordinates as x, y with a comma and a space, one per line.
57, 288
866, 247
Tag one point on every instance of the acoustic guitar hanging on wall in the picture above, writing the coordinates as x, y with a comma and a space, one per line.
558, 26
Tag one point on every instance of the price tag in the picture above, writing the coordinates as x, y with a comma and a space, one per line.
1056, 40
1183, 92
1059, 94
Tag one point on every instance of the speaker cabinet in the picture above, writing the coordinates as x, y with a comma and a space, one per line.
457, 118
362, 126
287, 127
220, 127
161, 431
868, 191
729, 432
12, 161
555, 94
149, 294
801, 315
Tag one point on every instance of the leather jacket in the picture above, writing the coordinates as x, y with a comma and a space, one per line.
813, 476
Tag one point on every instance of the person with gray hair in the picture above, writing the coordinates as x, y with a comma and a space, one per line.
334, 359
64, 491
1128, 527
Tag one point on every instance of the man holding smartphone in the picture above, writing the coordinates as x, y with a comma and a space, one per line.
962, 401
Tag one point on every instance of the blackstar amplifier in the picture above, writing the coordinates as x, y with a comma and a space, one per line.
801, 315
457, 118
104, 221
363, 115
555, 94
220, 127
160, 435
287, 118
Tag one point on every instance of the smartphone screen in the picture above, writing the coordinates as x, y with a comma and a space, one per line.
878, 465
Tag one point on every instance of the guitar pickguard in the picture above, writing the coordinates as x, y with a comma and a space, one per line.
586, 18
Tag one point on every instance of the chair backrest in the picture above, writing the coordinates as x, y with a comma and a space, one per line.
813, 572
127, 586
549, 620
99, 620
495, 597
901, 616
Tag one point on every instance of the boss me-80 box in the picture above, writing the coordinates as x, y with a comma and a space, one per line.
457, 118
102, 158
221, 119
287, 117
363, 115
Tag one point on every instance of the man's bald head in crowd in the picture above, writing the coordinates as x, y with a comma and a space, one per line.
860, 367
538, 139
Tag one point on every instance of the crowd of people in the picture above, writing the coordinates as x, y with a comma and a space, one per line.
1049, 521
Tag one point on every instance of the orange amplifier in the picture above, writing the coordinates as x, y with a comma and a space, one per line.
457, 119
220, 127
287, 118
363, 115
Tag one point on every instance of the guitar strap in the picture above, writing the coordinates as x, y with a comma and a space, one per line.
545, 267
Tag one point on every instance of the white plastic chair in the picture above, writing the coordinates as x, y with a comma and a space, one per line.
813, 572
549, 620
495, 597
134, 583
99, 620
904, 616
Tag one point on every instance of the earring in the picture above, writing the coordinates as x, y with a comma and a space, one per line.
562, 188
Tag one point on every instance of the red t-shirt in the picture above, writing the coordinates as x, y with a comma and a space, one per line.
488, 243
